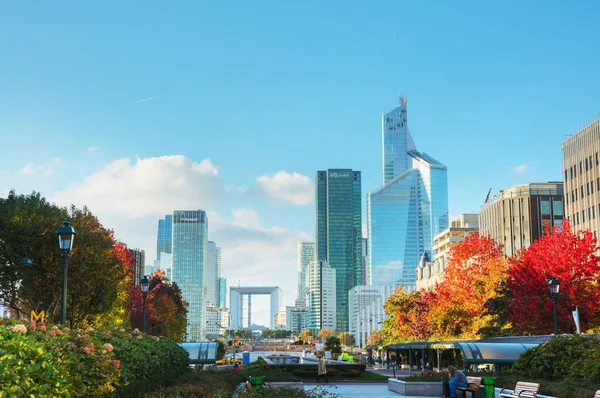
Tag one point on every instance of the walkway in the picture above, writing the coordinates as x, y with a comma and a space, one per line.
357, 390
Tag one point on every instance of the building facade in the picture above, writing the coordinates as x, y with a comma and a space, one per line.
410, 208
306, 257
321, 297
281, 318
581, 166
520, 215
139, 263
218, 321
339, 232
222, 293
366, 311
190, 240
164, 238
431, 272
298, 319
211, 274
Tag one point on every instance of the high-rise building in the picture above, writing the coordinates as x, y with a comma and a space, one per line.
222, 293
190, 240
321, 297
430, 272
581, 165
281, 318
306, 257
339, 232
299, 317
139, 262
366, 311
212, 273
410, 208
218, 321
164, 238
519, 215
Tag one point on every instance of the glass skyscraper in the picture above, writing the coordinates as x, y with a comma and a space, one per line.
190, 241
410, 208
164, 237
339, 232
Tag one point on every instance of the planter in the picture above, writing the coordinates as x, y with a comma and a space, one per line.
416, 388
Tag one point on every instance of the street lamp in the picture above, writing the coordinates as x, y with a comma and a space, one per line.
554, 285
144, 285
66, 235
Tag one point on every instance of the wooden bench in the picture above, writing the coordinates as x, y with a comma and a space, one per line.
597, 394
473, 384
522, 389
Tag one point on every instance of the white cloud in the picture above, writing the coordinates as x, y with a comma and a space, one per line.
28, 169
94, 148
148, 186
294, 187
521, 168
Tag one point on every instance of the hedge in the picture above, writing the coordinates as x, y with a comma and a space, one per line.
41, 361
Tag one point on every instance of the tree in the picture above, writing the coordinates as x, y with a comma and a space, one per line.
220, 350
346, 339
333, 344
571, 258
306, 336
325, 334
456, 306
407, 314
376, 338
29, 221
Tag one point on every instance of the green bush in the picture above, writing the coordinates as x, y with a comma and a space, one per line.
40, 362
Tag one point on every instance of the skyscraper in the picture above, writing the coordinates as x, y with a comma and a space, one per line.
165, 235
410, 208
321, 294
306, 257
190, 240
211, 274
339, 232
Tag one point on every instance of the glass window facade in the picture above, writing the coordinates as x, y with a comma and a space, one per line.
164, 237
411, 208
190, 233
339, 232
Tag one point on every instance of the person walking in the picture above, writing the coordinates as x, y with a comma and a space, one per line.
457, 379
321, 369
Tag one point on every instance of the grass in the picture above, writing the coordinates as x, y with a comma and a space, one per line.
372, 376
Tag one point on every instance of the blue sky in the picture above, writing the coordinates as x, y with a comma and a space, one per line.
264, 87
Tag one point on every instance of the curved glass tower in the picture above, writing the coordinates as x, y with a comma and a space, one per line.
410, 208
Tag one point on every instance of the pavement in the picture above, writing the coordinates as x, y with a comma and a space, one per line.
357, 390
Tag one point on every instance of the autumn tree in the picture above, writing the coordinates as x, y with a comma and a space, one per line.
346, 338
306, 336
407, 315
475, 267
376, 338
324, 334
571, 258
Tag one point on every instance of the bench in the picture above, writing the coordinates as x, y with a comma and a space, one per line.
473, 384
522, 389
597, 394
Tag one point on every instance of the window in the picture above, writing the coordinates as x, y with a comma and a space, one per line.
586, 164
571, 168
565, 175
587, 188
593, 212
583, 216
597, 159
580, 167
581, 191
545, 206
557, 208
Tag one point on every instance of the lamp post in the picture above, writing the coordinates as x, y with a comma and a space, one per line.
144, 285
554, 285
66, 235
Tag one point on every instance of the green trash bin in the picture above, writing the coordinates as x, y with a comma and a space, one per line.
489, 386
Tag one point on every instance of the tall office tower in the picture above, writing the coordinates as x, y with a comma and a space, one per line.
430, 272
165, 235
519, 215
211, 274
581, 165
410, 208
321, 297
306, 256
222, 293
139, 262
339, 232
190, 232
365, 256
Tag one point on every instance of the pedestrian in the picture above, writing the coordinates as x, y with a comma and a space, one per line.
236, 367
457, 379
321, 369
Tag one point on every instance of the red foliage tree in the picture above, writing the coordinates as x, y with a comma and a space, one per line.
571, 258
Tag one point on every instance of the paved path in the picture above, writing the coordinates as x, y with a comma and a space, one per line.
358, 390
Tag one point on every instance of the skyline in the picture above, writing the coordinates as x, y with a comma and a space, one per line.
232, 110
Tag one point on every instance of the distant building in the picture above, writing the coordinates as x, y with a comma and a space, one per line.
281, 318
139, 262
321, 297
306, 257
409, 209
222, 293
430, 272
164, 238
190, 240
298, 320
218, 321
581, 165
365, 261
339, 232
366, 311
519, 215
212, 273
